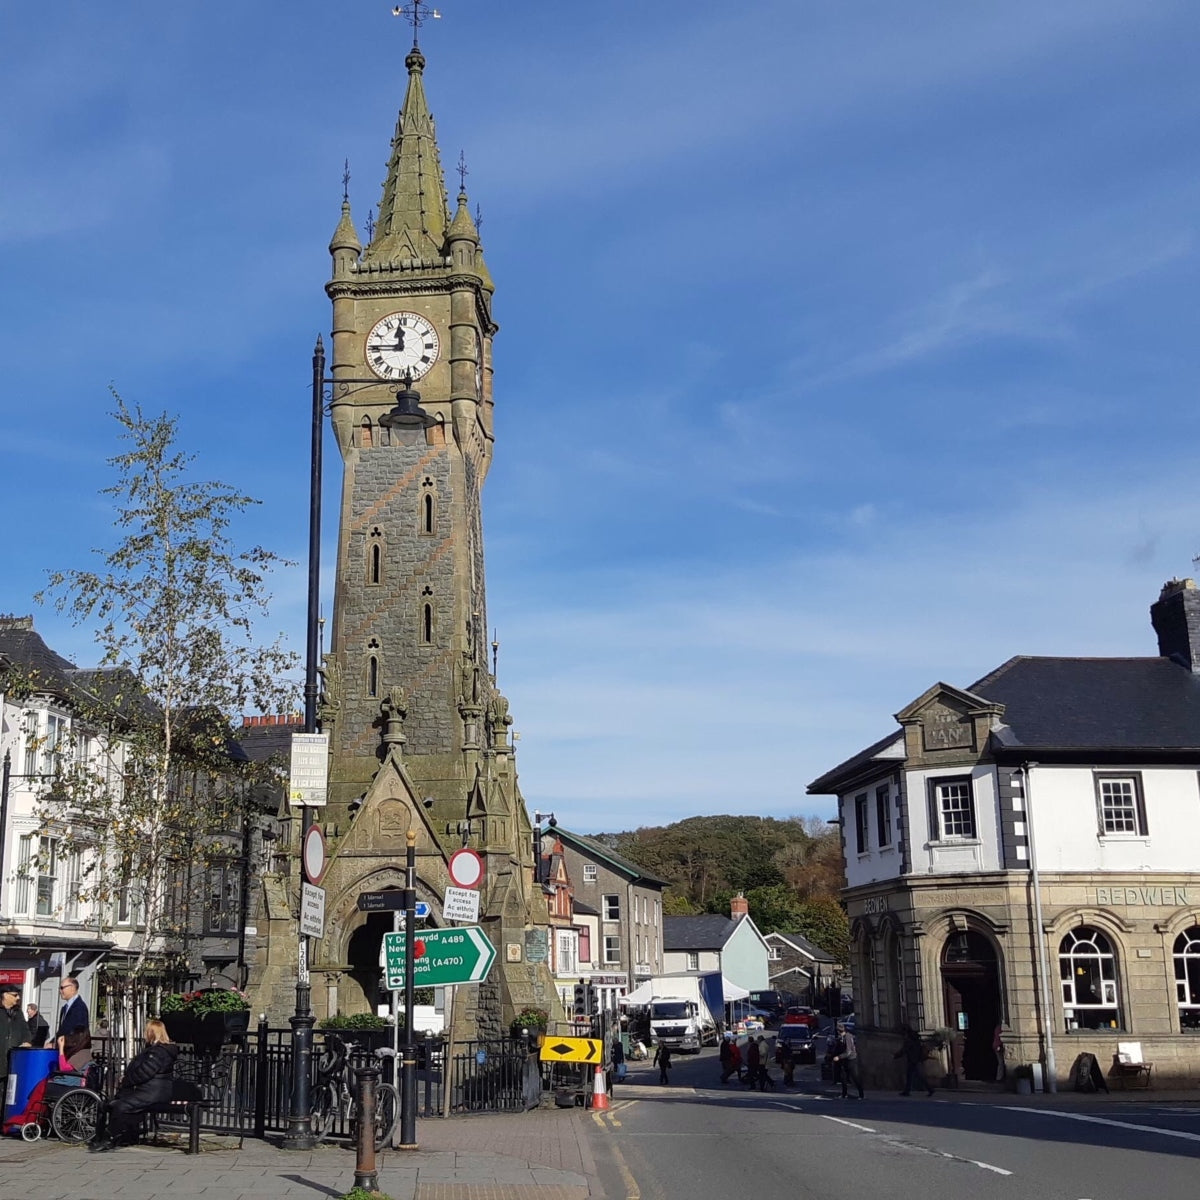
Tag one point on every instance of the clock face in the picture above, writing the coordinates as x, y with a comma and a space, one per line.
403, 343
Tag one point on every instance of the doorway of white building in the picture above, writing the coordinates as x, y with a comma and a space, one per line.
971, 987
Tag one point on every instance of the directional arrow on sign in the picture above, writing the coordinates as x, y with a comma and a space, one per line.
569, 1049
462, 955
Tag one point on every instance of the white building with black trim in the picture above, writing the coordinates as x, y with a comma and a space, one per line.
1025, 853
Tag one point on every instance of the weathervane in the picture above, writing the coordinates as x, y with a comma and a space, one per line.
462, 171
416, 13
370, 225
346, 183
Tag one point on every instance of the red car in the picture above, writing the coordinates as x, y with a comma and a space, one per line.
798, 1015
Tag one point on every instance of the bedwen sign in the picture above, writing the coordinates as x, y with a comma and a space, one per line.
462, 955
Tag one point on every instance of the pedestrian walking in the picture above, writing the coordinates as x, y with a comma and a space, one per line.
726, 1056
912, 1050
662, 1056
764, 1060
785, 1056
618, 1059
846, 1056
752, 1062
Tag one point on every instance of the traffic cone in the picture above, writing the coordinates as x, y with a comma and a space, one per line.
599, 1091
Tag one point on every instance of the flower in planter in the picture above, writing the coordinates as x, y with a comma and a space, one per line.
533, 1019
206, 1000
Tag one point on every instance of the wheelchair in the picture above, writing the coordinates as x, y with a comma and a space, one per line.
67, 1104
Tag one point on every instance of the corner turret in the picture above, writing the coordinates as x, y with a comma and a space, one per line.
344, 246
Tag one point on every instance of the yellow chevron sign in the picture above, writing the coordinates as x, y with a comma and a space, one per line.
571, 1049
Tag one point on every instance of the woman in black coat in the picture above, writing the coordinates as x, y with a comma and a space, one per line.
146, 1083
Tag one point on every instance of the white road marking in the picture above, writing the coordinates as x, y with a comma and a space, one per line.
1066, 1116
863, 1128
903, 1145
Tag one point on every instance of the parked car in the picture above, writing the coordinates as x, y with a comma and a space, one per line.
802, 1039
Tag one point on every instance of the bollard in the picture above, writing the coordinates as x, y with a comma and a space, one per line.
365, 1174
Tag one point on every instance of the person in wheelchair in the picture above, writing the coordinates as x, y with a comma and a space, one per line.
145, 1085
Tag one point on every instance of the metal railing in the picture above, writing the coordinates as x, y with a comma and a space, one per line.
247, 1086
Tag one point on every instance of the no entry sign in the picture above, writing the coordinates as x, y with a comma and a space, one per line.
466, 869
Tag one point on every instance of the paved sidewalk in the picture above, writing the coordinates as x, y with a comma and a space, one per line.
541, 1155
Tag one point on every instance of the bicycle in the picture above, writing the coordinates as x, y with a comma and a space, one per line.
335, 1098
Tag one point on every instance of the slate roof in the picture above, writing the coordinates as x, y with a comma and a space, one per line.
261, 742
708, 931
24, 646
802, 944
1097, 703
587, 846
1085, 706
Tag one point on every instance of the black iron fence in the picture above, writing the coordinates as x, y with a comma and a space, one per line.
248, 1084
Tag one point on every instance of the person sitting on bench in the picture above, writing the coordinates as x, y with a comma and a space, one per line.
146, 1084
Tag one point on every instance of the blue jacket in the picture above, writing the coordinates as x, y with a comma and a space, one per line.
73, 1019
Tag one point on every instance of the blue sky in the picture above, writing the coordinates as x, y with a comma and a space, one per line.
844, 347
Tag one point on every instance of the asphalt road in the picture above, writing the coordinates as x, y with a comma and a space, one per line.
696, 1139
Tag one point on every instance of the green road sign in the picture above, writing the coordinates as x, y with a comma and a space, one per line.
461, 955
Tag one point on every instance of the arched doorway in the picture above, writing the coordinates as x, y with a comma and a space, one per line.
971, 983
362, 957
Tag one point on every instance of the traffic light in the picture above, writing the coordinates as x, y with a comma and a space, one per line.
581, 999
594, 1002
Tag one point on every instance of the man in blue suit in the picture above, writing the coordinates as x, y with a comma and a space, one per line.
73, 1017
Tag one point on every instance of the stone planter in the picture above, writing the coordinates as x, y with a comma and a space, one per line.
1024, 1087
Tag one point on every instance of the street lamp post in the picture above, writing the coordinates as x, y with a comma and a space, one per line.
1047, 1005
408, 1071
299, 1133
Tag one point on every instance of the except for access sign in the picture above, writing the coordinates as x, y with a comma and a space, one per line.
451, 956
460, 904
570, 1049
312, 911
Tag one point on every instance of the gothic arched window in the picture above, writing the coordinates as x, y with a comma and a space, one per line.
365, 437
1187, 977
1087, 971
427, 513
427, 623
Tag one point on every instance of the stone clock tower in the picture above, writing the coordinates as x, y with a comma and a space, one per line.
419, 733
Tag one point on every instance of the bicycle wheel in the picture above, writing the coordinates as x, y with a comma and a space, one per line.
387, 1113
75, 1115
324, 1112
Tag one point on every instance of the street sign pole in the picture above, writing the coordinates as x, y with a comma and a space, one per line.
408, 1092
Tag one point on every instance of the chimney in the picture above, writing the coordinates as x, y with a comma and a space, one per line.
739, 907
1175, 616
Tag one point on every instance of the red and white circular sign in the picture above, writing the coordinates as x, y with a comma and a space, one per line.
314, 854
466, 869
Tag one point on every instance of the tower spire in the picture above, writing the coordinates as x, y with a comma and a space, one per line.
413, 215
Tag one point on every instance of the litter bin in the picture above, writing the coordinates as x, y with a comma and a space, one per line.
27, 1067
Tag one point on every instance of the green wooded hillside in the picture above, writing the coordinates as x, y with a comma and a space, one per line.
789, 870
